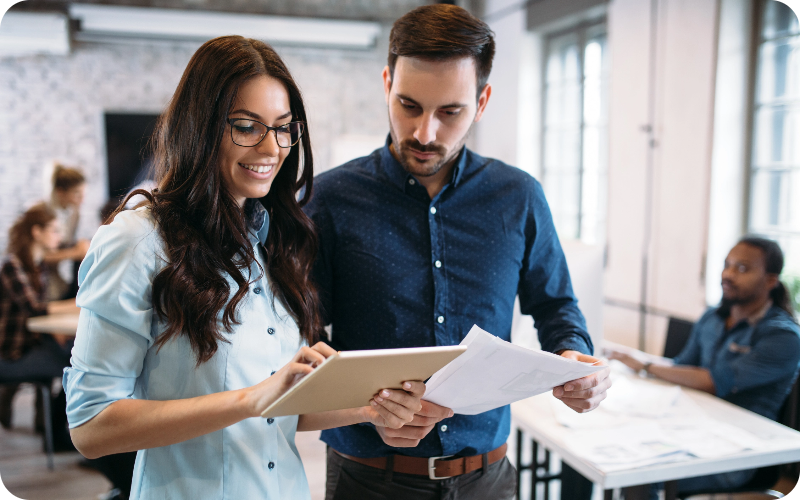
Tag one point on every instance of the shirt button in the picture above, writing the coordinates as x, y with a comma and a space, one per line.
438, 263
271, 465
412, 181
440, 319
271, 331
256, 290
433, 210
270, 420
444, 428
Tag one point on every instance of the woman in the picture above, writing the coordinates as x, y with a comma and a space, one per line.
23, 285
193, 306
68, 187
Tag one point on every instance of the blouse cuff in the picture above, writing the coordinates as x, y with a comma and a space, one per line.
88, 394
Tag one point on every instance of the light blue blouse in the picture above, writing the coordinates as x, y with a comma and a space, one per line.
114, 358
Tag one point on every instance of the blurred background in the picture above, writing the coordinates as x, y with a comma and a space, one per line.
662, 130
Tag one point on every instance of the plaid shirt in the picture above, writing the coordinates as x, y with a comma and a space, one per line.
19, 300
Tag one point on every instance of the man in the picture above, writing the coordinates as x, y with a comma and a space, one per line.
421, 240
746, 351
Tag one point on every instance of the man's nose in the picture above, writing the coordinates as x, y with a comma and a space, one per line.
426, 129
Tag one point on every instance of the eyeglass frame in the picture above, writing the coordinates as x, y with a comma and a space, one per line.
231, 120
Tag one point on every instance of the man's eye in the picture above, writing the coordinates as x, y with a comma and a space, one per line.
451, 112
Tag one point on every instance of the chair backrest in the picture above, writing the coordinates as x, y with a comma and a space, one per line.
678, 331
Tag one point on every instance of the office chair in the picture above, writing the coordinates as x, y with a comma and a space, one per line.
678, 332
43, 386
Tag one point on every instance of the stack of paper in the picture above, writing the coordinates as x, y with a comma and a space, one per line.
494, 373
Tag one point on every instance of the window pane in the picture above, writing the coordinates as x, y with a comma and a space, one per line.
779, 20
778, 77
772, 205
776, 136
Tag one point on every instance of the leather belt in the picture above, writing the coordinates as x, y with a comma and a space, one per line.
433, 467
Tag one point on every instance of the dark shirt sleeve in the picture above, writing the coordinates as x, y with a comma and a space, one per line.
322, 272
772, 358
545, 290
20, 291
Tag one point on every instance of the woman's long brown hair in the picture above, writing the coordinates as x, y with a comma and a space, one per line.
20, 239
203, 228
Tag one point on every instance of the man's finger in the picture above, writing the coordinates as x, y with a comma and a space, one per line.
434, 411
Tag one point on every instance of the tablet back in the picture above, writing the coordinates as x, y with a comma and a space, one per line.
349, 379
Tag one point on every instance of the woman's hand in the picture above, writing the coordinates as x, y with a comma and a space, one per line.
260, 396
395, 408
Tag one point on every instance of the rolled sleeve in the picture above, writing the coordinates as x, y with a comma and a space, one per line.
114, 330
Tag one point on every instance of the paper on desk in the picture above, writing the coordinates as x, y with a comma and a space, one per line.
494, 373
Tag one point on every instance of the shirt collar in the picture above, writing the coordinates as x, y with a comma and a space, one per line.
759, 315
399, 176
257, 219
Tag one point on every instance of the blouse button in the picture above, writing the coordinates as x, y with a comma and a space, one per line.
257, 290
271, 331
271, 465
270, 420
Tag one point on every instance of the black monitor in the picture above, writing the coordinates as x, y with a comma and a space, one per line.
128, 150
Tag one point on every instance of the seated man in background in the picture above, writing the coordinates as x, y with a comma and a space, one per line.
746, 351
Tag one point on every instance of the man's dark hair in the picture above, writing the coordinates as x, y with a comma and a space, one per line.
773, 264
440, 32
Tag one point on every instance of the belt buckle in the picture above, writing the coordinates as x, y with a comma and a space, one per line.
432, 467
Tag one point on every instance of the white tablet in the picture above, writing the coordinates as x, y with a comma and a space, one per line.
350, 379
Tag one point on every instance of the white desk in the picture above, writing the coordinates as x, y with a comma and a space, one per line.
535, 417
64, 324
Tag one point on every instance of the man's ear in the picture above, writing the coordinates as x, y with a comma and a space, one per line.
387, 83
483, 99
772, 281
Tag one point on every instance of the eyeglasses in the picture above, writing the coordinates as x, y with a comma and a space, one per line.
248, 133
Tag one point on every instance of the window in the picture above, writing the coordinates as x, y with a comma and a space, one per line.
775, 164
574, 153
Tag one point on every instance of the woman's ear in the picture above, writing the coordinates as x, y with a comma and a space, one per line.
36, 232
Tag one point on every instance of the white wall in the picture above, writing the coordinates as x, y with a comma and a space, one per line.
53, 108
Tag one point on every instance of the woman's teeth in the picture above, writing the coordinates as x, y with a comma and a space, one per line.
261, 169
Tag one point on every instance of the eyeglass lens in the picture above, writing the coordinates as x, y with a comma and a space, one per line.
249, 133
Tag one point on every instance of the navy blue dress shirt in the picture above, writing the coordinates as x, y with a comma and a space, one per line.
753, 364
398, 269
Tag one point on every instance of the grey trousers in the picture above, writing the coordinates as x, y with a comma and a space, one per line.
351, 480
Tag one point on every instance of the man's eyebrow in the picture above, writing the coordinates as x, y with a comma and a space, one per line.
257, 116
453, 105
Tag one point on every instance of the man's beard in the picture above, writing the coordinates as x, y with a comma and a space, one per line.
412, 165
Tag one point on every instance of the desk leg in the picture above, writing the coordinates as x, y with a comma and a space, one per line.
670, 490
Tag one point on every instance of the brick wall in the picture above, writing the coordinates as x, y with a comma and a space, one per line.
52, 108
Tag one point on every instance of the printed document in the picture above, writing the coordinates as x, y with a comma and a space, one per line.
493, 373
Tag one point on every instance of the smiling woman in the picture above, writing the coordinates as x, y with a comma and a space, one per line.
194, 305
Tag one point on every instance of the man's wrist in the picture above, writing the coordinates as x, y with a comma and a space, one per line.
646, 368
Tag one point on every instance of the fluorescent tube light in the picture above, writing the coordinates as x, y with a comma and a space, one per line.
139, 22
29, 33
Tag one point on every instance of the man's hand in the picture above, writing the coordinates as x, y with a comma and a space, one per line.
583, 394
412, 433
626, 359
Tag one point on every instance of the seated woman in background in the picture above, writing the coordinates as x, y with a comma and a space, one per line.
23, 287
68, 186
194, 305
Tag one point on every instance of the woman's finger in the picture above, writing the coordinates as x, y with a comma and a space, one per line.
414, 387
324, 349
402, 398
309, 356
